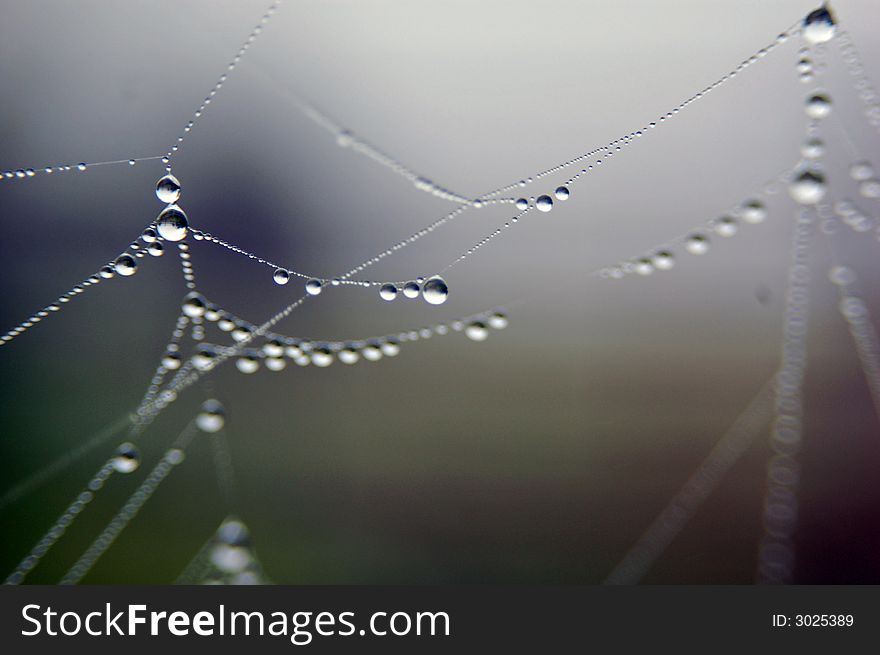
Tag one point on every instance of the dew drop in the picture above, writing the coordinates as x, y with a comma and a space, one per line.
544, 203
813, 148
204, 358
819, 26
275, 363
230, 559
390, 348
156, 249
411, 290
562, 193
435, 291
171, 361
168, 189
663, 260
321, 357
388, 292
818, 105
211, 417
869, 188
841, 275
697, 244
521, 203
127, 458
753, 211
125, 265
172, 224
807, 187
233, 532
194, 305
281, 276
107, 272
131, 162
80, 167
313, 287
372, 352
498, 321
861, 170
476, 331
248, 363
348, 355
726, 227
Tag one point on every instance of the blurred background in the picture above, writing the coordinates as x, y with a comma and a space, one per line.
539, 455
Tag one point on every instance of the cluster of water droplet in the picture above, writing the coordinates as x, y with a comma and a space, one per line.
696, 243
434, 290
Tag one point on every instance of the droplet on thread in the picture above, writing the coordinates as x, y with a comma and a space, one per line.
544, 203
697, 244
127, 458
172, 224
818, 105
281, 276
807, 187
435, 291
211, 417
168, 189
313, 287
819, 26
125, 265
388, 292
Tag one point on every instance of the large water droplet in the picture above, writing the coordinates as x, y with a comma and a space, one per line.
476, 331
168, 189
171, 223
819, 26
435, 291
171, 361
562, 193
127, 458
321, 357
313, 287
211, 417
544, 203
281, 276
818, 105
807, 187
348, 355
248, 363
521, 203
125, 265
388, 292
498, 321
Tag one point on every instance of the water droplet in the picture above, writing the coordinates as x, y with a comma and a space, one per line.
818, 105
233, 532
697, 244
663, 260
841, 275
248, 363
726, 227
870, 188
107, 272
211, 417
275, 363
861, 170
435, 291
819, 26
204, 358
371, 352
544, 203
281, 276
171, 224
127, 458
388, 292
321, 357
562, 193
125, 265
131, 162
804, 65
813, 148
411, 290
390, 348
344, 138
807, 187
81, 167
348, 355
194, 305
230, 559
168, 189
521, 203
498, 321
753, 211
171, 361
476, 331
313, 287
